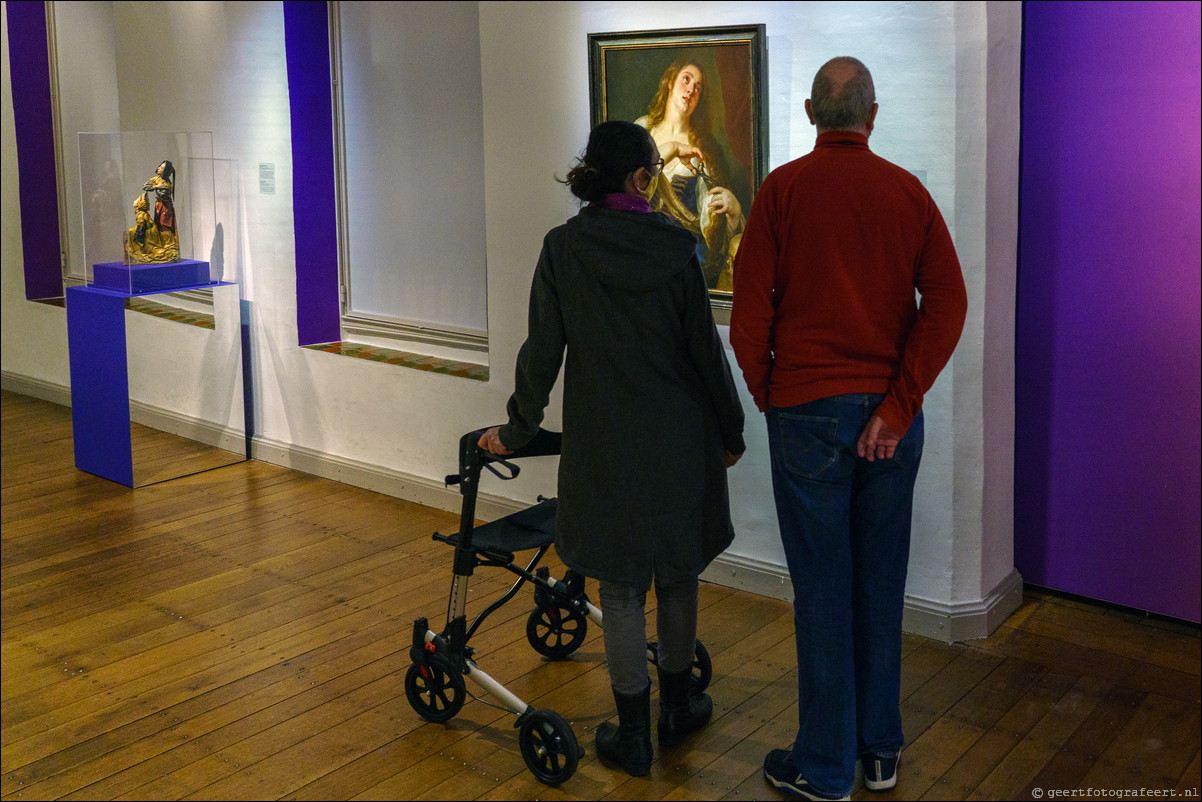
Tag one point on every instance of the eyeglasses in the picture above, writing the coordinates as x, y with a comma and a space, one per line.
656, 166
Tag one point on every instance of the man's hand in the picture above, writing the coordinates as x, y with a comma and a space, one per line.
731, 458
877, 441
490, 441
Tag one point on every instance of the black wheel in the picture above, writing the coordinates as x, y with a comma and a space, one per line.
556, 631
549, 747
435, 690
703, 669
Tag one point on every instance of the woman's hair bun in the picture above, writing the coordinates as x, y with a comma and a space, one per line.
615, 149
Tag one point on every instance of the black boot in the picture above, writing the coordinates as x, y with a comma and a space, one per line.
680, 714
629, 743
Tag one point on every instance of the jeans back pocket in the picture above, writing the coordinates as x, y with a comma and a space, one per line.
809, 445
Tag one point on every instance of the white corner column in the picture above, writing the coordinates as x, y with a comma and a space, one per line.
981, 585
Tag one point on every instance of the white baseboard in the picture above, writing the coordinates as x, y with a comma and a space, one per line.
952, 622
164, 420
200, 431
418, 489
36, 388
949, 622
752, 575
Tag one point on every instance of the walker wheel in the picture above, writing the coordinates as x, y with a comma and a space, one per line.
549, 747
555, 631
703, 669
435, 689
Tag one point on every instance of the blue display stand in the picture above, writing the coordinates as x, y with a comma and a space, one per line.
99, 383
165, 277
100, 409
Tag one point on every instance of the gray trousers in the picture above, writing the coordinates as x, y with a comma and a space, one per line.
623, 611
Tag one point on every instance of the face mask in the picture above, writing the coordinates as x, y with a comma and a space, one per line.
648, 191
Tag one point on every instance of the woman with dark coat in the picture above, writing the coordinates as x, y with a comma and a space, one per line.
651, 421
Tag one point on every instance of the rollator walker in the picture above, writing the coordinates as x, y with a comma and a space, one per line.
434, 683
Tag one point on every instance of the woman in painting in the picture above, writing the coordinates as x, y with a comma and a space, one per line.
694, 184
651, 421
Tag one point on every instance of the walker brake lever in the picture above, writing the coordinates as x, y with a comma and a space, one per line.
490, 458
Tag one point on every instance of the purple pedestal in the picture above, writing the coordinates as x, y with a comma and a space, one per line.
99, 384
137, 279
100, 407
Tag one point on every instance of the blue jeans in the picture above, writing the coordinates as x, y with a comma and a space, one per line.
845, 526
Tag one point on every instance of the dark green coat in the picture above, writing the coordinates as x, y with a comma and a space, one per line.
649, 404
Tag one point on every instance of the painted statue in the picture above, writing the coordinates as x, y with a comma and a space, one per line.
154, 237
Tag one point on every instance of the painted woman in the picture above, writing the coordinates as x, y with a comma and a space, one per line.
694, 186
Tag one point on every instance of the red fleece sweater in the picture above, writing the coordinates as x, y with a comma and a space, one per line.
824, 304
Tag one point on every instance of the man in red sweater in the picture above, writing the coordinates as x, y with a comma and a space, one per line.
838, 353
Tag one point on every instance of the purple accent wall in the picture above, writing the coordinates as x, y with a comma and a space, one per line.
29, 63
1107, 484
307, 43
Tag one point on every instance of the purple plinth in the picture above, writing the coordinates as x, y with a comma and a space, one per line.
136, 279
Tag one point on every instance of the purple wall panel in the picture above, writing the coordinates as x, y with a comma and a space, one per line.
1108, 491
307, 43
29, 62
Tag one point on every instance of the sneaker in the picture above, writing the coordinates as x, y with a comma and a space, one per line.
779, 770
880, 770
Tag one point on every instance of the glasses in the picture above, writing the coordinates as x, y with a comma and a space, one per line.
656, 166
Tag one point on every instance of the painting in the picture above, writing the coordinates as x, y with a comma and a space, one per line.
701, 93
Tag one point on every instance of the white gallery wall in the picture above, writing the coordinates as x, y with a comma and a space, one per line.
947, 81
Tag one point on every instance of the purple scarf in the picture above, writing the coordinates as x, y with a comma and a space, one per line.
623, 202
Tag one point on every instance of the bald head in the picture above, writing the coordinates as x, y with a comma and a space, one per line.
843, 97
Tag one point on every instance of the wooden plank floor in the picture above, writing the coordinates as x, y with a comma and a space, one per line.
243, 633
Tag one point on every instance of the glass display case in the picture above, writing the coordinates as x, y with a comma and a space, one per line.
156, 335
148, 209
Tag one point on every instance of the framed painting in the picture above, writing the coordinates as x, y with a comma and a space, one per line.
701, 93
